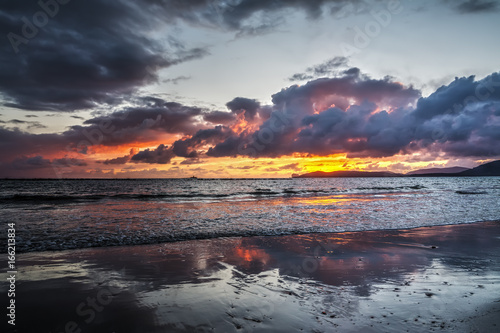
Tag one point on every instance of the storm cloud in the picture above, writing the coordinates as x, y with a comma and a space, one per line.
72, 55
80, 54
161, 155
147, 120
477, 6
219, 117
383, 118
328, 68
351, 114
244, 105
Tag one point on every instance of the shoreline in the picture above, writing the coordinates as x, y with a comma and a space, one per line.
443, 278
249, 235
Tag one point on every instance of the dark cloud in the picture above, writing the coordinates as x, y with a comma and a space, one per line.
460, 119
35, 162
445, 98
120, 160
353, 71
248, 106
219, 117
17, 121
352, 114
36, 124
29, 124
265, 112
268, 25
297, 125
358, 131
229, 147
300, 77
69, 162
144, 122
40, 167
248, 17
187, 147
477, 6
154, 116
176, 80
326, 67
191, 161
331, 67
161, 155
14, 143
89, 53
39, 162
349, 86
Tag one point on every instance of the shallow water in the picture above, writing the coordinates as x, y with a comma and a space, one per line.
444, 278
65, 214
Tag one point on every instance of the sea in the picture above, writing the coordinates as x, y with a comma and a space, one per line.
53, 215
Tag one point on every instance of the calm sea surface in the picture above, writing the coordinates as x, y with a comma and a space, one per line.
66, 214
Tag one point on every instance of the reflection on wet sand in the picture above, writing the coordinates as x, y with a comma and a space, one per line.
419, 279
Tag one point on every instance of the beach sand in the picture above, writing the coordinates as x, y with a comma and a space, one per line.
444, 278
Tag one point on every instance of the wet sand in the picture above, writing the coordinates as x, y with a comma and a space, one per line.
444, 278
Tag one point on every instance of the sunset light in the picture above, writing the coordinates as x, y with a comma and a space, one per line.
250, 166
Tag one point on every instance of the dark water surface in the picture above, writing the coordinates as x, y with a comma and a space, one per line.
68, 214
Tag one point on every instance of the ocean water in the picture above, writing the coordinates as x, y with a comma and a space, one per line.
68, 214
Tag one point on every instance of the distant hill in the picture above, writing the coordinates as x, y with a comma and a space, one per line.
488, 169
438, 170
321, 174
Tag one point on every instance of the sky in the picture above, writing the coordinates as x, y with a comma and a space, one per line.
246, 88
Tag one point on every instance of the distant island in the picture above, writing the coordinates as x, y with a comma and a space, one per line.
488, 169
437, 170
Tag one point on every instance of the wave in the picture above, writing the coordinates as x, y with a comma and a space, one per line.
192, 196
55, 198
394, 188
471, 192
93, 241
98, 197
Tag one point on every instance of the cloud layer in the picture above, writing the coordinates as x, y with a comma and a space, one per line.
63, 56
71, 55
351, 114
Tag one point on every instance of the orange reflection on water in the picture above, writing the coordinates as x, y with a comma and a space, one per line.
252, 255
334, 199
338, 199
